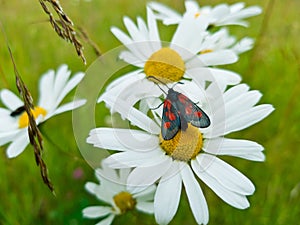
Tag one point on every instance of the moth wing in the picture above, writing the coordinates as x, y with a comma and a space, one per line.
170, 124
198, 117
191, 112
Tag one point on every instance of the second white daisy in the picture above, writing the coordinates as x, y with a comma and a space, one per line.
113, 192
53, 89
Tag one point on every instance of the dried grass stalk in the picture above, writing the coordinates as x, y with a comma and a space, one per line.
84, 35
34, 133
63, 26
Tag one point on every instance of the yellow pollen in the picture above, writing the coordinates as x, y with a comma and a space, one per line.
185, 145
197, 14
166, 65
24, 121
124, 201
206, 51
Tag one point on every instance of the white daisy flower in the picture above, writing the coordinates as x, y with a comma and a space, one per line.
221, 40
192, 152
113, 192
53, 88
181, 58
220, 15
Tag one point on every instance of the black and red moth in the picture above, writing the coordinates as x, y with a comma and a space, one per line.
178, 111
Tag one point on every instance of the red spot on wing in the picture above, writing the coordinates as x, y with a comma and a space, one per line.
188, 109
198, 114
168, 104
182, 98
171, 116
167, 125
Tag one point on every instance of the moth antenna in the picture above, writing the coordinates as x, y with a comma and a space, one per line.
159, 81
177, 83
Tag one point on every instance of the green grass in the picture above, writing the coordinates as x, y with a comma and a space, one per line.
273, 67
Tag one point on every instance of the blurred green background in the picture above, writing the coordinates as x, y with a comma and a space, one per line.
273, 67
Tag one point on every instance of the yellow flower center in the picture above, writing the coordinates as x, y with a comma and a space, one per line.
24, 121
124, 201
185, 145
166, 65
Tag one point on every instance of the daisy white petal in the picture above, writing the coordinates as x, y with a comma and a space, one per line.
134, 159
18, 145
167, 198
225, 174
214, 90
243, 45
235, 147
195, 195
232, 198
4, 112
111, 182
67, 107
144, 89
239, 104
190, 27
129, 77
244, 101
237, 14
247, 118
128, 42
133, 115
218, 13
123, 174
137, 181
153, 31
254, 156
46, 89
107, 221
53, 93
164, 13
8, 123
125, 39
8, 136
142, 26
73, 82
63, 75
10, 100
146, 195
221, 57
214, 75
237, 7
138, 38
122, 140
146, 207
191, 6
235, 91
133, 30
91, 187
96, 211
130, 58
121, 85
